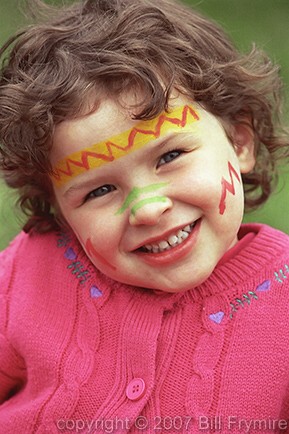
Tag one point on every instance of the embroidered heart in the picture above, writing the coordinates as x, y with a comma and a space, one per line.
95, 292
265, 286
217, 317
70, 254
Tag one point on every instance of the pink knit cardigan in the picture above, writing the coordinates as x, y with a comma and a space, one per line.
82, 353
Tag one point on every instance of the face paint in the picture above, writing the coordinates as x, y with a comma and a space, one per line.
123, 143
136, 192
227, 186
143, 202
92, 252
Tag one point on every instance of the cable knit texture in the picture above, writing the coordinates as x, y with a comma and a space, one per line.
213, 359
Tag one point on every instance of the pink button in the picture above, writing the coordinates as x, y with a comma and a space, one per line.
136, 389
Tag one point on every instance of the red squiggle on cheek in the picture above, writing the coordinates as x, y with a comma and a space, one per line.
92, 252
227, 186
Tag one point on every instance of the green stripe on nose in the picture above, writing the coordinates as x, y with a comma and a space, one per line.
143, 202
136, 192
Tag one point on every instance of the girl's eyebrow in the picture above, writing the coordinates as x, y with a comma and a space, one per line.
82, 185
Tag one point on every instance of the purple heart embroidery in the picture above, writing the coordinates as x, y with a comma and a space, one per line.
217, 317
70, 254
265, 286
95, 292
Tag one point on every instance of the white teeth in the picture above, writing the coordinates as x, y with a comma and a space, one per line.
185, 235
163, 245
172, 241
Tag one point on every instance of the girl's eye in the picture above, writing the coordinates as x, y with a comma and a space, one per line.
169, 156
100, 191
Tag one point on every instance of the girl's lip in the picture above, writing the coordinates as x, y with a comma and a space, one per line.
174, 254
164, 236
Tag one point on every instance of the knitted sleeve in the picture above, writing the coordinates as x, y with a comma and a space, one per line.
12, 371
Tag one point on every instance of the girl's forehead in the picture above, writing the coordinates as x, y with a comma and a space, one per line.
106, 135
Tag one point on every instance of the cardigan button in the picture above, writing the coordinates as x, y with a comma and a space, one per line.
135, 389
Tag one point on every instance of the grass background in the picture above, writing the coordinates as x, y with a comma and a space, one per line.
265, 22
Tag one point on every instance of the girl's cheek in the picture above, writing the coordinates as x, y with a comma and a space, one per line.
95, 255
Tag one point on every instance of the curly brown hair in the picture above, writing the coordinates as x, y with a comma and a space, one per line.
107, 47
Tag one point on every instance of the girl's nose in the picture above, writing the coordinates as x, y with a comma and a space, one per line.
149, 211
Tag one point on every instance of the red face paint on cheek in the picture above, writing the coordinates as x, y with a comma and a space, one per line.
94, 254
227, 186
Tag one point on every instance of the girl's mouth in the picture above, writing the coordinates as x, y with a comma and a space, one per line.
176, 247
173, 240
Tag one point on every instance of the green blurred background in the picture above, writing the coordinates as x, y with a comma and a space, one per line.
265, 22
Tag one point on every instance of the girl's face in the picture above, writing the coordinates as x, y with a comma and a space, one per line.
155, 204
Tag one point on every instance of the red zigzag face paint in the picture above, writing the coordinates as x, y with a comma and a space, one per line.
228, 186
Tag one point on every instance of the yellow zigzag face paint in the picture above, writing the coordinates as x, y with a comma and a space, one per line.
122, 144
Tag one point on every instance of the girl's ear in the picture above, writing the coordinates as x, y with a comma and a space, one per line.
244, 145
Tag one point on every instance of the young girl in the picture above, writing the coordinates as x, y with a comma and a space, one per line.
134, 300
